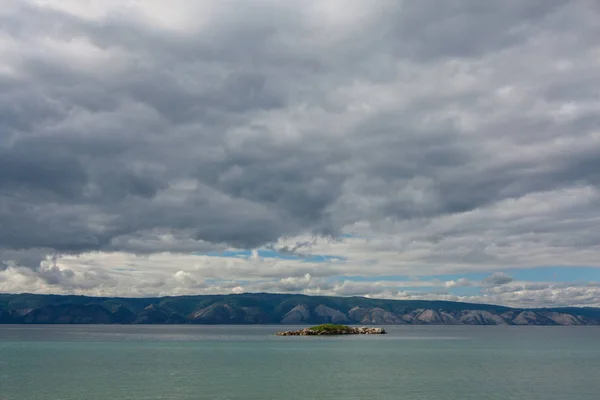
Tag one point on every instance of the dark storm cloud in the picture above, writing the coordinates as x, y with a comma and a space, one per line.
244, 129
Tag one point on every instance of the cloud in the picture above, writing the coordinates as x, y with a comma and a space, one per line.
123, 274
461, 282
445, 138
497, 279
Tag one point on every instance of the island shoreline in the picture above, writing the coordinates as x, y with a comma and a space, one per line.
333, 330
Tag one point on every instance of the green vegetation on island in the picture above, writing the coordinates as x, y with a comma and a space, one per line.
330, 328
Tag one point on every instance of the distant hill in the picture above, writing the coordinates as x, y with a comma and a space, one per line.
264, 308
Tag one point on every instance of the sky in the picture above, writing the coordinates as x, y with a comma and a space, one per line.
395, 149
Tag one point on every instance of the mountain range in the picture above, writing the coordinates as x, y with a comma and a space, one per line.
264, 308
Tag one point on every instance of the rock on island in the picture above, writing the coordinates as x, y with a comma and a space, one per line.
333, 329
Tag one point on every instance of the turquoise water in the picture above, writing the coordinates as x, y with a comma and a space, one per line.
248, 362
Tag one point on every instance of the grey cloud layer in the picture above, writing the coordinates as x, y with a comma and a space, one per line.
236, 125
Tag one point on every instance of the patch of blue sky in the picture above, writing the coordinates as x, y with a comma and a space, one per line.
272, 254
537, 274
557, 274
351, 236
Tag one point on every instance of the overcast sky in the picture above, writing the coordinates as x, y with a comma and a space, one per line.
398, 149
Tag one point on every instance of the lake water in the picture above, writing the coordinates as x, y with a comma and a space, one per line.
248, 362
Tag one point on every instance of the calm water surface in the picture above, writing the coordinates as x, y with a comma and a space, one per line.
233, 362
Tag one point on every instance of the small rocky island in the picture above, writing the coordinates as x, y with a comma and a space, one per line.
333, 329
